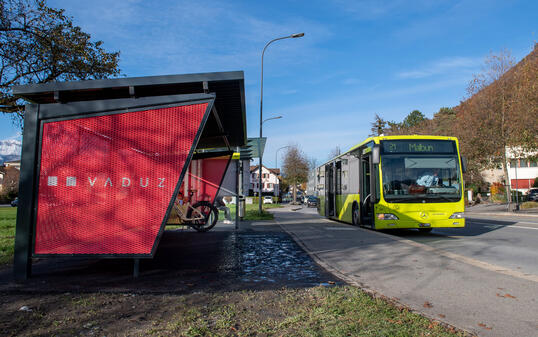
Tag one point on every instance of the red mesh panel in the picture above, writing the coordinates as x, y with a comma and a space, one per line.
105, 182
205, 176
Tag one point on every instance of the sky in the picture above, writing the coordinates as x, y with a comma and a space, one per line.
357, 58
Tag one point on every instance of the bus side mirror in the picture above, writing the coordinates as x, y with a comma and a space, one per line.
375, 154
463, 164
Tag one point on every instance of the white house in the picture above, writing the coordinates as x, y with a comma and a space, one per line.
522, 169
270, 181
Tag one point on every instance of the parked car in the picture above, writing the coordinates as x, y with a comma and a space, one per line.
15, 202
533, 194
268, 200
312, 201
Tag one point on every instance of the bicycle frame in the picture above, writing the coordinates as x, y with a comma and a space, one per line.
181, 210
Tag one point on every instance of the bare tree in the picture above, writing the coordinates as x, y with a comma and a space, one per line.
40, 44
378, 126
295, 168
335, 152
486, 124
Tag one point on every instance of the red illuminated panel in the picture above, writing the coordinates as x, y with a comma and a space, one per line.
105, 182
204, 178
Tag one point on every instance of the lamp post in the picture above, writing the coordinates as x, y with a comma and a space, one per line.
276, 154
276, 164
260, 172
260, 188
268, 119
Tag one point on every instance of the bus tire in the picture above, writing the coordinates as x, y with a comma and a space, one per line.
355, 214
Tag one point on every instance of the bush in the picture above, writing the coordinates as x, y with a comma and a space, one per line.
535, 184
497, 188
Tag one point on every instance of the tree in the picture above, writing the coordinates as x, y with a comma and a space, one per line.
378, 126
295, 168
443, 122
489, 124
39, 44
414, 118
335, 152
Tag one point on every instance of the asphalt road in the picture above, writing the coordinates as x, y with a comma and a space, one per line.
483, 278
507, 241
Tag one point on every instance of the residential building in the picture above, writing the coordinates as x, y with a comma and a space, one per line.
522, 169
270, 181
9, 176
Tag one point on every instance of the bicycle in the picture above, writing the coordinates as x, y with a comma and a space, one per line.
202, 216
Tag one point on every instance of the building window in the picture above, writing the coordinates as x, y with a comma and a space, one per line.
513, 163
523, 163
534, 164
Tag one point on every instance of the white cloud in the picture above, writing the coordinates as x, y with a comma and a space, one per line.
443, 66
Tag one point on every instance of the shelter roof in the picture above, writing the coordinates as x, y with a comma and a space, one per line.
228, 88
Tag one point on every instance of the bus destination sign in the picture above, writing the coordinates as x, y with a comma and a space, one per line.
418, 146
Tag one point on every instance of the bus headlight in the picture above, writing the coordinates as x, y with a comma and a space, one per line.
387, 216
457, 215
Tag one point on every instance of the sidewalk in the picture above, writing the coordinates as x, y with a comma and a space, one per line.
500, 209
479, 300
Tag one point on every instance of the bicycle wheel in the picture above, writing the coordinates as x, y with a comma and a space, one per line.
210, 213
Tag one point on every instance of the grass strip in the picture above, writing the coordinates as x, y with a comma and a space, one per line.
319, 311
8, 218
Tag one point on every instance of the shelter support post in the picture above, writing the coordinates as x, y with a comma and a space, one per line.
136, 268
22, 263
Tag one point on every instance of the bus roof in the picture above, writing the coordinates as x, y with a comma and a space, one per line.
379, 138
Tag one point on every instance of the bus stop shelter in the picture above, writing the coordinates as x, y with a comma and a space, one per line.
103, 160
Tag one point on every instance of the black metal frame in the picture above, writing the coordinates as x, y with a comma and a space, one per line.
221, 83
35, 117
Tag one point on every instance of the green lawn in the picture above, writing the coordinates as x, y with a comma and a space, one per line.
8, 217
319, 311
251, 212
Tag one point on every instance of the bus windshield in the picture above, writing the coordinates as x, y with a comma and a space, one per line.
418, 177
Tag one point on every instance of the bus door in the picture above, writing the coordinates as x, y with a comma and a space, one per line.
329, 189
369, 184
366, 207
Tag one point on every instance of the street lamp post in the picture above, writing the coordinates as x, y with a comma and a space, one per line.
276, 154
261, 117
260, 171
276, 163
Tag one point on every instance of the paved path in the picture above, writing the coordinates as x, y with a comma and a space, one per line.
462, 289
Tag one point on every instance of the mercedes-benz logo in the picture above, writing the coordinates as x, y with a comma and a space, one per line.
423, 215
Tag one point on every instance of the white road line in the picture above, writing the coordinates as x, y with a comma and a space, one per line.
522, 227
506, 226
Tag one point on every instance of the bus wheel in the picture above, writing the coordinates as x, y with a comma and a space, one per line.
355, 215
425, 230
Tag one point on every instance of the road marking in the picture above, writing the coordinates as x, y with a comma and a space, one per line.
468, 260
490, 225
522, 227
341, 228
457, 257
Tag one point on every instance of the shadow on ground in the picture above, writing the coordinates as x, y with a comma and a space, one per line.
185, 262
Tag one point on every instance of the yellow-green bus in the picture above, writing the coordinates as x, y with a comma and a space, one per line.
395, 182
